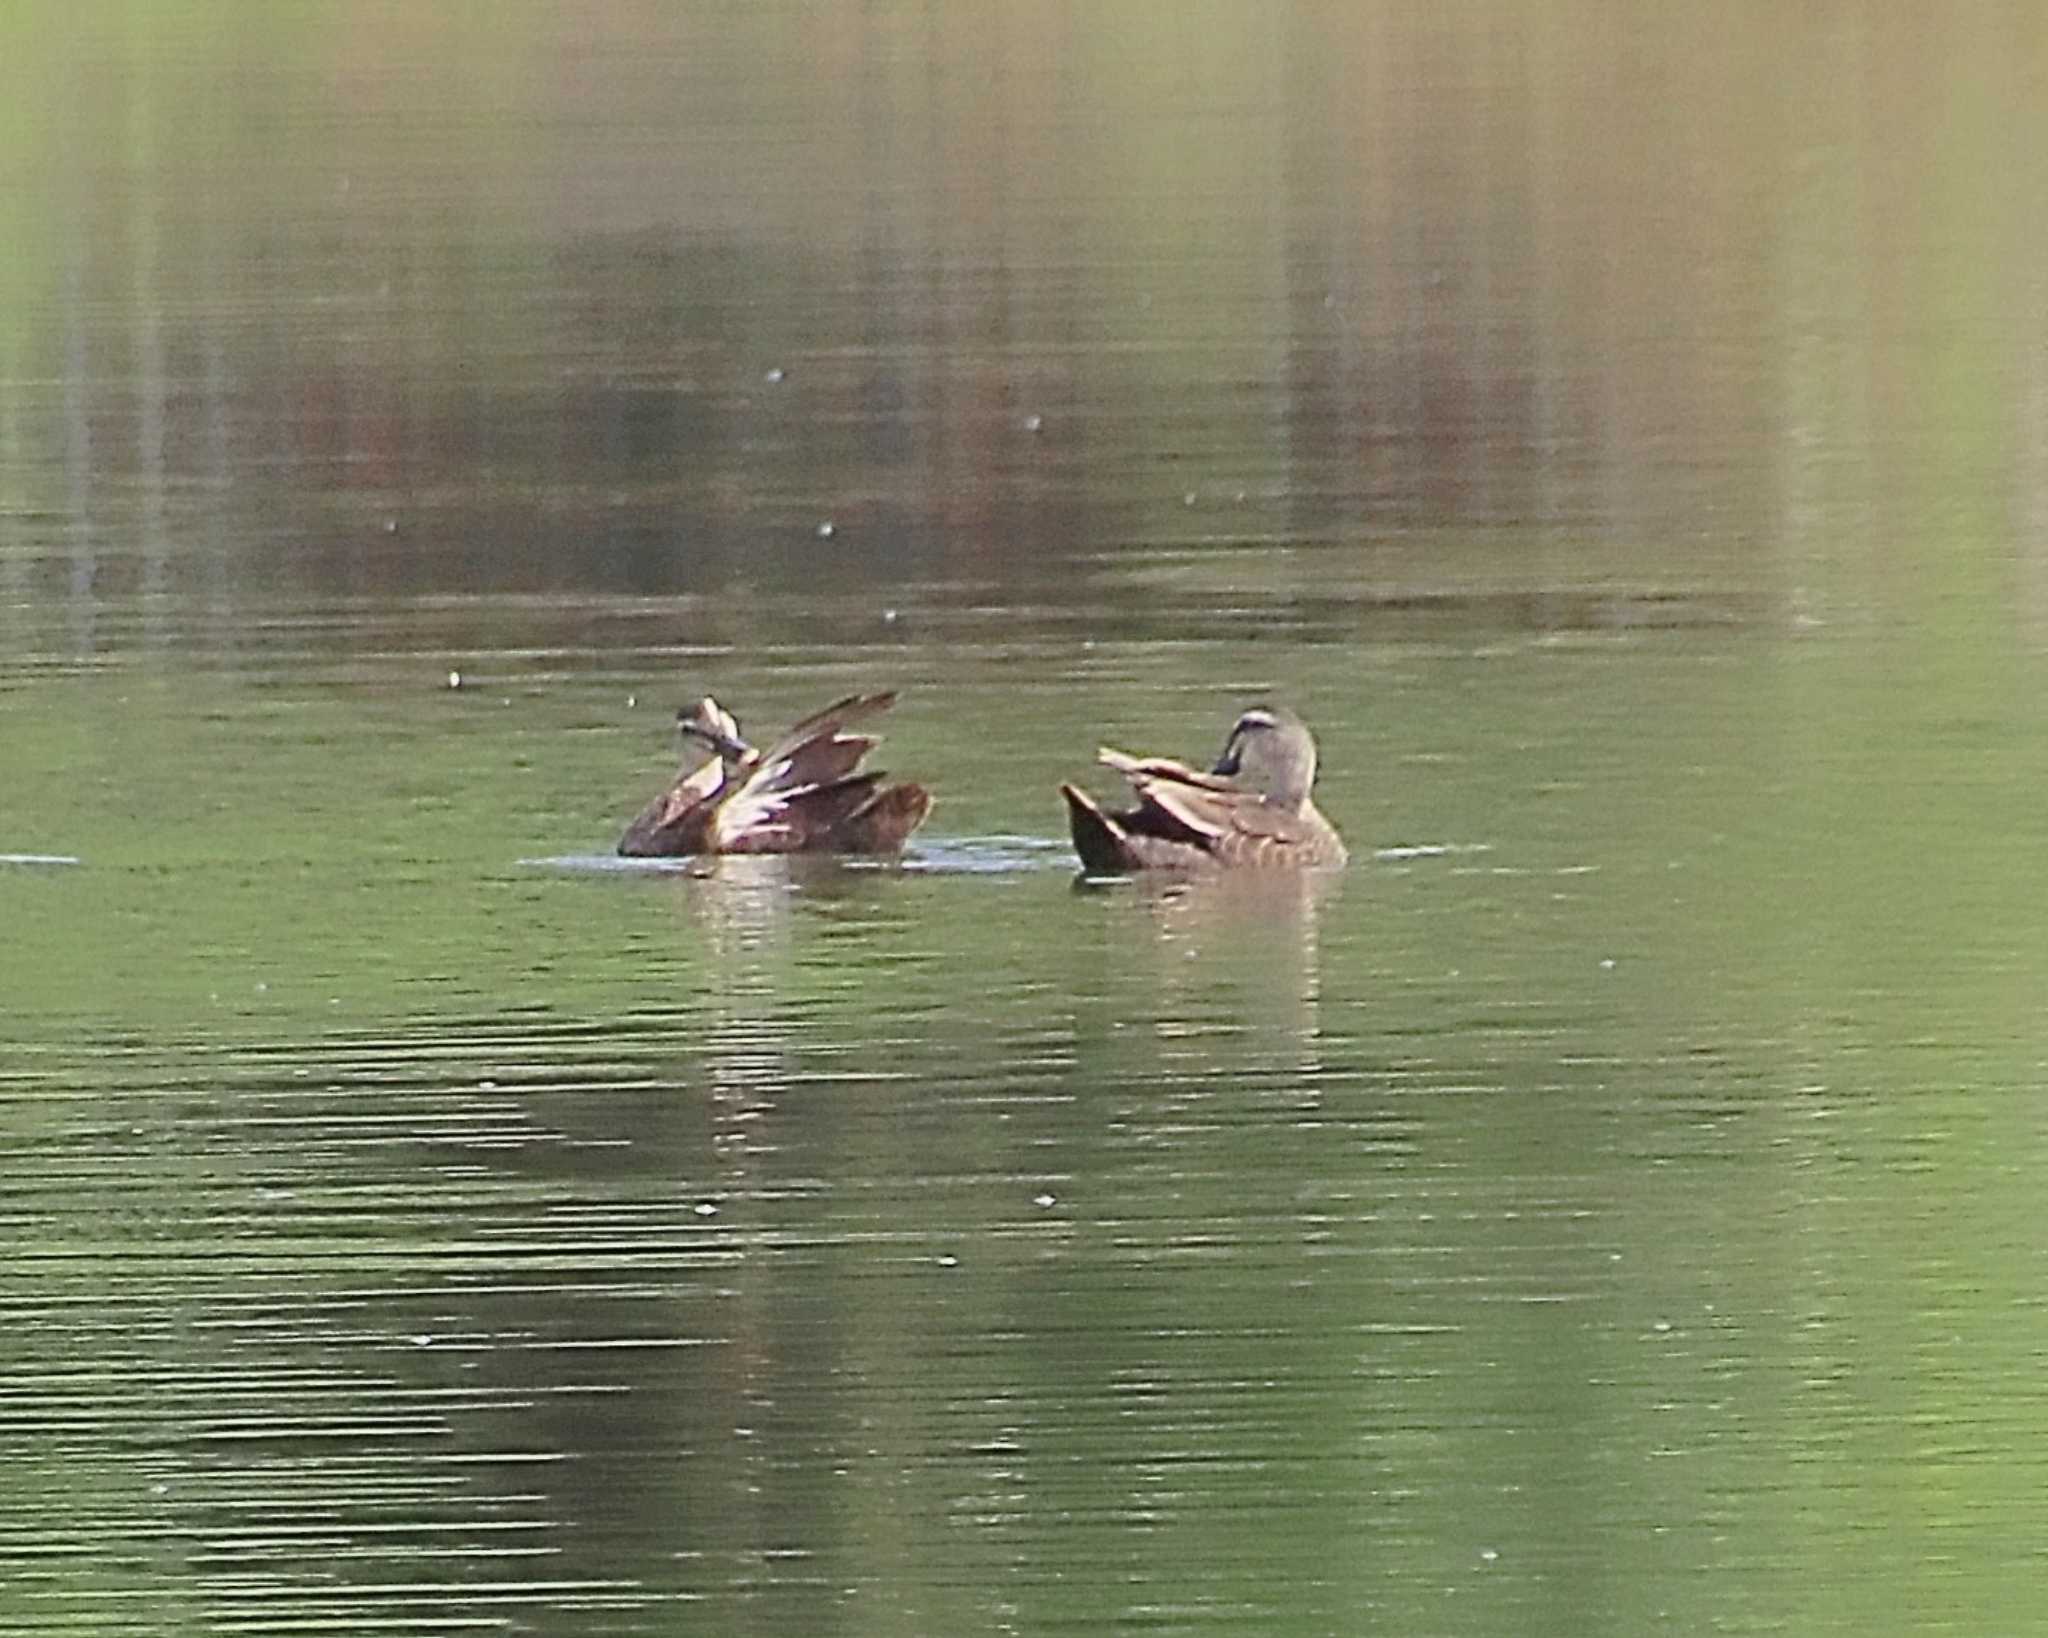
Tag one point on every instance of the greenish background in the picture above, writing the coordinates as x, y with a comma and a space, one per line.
1612, 1205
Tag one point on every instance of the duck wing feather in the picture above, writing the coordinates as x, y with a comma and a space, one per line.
825, 724
1229, 822
806, 783
676, 821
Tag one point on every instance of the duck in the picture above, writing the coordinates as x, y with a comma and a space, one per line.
806, 793
1252, 808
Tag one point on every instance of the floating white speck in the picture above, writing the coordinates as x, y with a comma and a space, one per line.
454, 679
1607, 964
1042, 1200
888, 617
827, 530
391, 526
949, 1261
1033, 423
1188, 499
773, 375
704, 1208
632, 701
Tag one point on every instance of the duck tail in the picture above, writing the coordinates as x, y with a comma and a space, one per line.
1099, 839
885, 824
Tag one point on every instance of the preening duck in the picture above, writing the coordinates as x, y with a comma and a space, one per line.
1252, 808
806, 793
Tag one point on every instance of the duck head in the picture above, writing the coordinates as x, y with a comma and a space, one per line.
1271, 751
709, 726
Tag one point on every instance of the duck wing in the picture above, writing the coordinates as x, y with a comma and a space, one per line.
676, 821
1231, 824
804, 785
1138, 769
843, 713
805, 820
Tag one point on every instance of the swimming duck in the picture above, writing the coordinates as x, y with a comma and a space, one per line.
805, 794
1251, 808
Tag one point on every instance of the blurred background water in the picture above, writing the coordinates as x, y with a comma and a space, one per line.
1612, 1205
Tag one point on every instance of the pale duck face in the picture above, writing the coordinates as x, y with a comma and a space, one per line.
708, 725
1271, 751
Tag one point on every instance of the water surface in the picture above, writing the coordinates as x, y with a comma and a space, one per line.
1610, 1205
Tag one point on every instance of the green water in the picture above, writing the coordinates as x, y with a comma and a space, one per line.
1611, 1205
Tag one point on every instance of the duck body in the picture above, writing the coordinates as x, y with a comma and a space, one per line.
807, 793
1251, 810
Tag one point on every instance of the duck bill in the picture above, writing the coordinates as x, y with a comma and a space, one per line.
722, 745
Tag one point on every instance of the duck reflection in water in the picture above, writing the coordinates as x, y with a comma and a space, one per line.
1252, 808
807, 793
1220, 972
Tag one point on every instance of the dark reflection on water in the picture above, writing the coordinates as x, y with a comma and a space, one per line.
1609, 1205
1473, 307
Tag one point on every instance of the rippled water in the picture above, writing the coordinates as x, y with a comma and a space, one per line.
1610, 1205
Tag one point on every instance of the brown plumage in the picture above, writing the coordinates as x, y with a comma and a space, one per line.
806, 793
1252, 808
